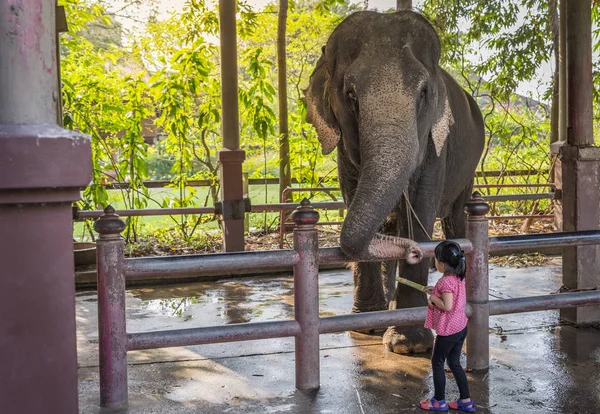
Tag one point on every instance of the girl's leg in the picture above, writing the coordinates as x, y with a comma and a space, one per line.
456, 368
441, 349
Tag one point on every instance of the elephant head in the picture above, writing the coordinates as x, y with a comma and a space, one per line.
378, 95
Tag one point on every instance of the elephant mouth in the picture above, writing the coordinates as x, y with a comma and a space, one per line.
386, 247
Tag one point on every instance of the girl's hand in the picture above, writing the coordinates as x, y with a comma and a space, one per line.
429, 290
430, 301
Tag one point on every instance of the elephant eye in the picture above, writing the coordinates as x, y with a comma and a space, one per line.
423, 98
351, 95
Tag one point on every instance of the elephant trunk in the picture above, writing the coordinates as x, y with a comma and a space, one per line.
389, 153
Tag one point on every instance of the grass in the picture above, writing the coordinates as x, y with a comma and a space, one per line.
259, 194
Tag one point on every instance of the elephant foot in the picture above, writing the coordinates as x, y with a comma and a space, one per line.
371, 332
408, 339
360, 308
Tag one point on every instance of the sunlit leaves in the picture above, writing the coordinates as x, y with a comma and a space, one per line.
515, 33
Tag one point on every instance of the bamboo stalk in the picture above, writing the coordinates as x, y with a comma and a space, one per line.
412, 284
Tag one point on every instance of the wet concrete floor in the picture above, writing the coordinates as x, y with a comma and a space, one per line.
538, 365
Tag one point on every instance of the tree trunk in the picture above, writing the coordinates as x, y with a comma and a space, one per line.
554, 110
553, 7
403, 4
562, 73
285, 176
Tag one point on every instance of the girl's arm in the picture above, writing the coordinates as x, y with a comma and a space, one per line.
444, 303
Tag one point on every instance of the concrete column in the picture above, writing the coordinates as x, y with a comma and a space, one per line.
231, 157
580, 162
42, 168
579, 73
112, 331
562, 115
403, 4
306, 296
477, 283
232, 189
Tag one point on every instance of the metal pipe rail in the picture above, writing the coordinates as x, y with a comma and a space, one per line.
544, 302
241, 262
275, 207
262, 181
93, 214
491, 218
283, 225
212, 335
341, 323
258, 208
518, 197
544, 240
114, 269
207, 264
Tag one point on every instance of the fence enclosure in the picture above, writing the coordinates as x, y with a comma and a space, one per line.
114, 269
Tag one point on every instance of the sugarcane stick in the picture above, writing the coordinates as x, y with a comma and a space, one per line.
412, 284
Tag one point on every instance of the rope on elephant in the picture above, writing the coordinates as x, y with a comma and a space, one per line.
409, 210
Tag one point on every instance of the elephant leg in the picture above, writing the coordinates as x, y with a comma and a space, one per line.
390, 268
414, 338
455, 223
374, 283
425, 202
369, 294
389, 271
368, 288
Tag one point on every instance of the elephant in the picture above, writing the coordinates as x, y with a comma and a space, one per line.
408, 141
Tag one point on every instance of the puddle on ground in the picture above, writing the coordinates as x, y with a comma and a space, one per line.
271, 298
242, 300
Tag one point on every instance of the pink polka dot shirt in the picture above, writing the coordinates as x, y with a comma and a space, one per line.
448, 323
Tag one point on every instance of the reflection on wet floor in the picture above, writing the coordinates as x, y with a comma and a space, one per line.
538, 365
241, 300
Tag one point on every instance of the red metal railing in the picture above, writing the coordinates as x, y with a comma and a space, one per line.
284, 224
114, 270
284, 207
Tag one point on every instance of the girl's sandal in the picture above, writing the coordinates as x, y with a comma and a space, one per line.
467, 407
433, 405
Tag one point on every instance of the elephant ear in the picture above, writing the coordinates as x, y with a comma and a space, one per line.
443, 121
318, 107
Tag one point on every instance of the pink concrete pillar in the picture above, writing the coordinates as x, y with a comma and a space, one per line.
231, 157
580, 162
477, 281
42, 168
112, 333
306, 296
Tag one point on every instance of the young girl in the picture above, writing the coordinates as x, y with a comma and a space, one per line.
446, 315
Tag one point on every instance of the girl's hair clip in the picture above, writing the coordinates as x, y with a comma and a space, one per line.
464, 259
454, 254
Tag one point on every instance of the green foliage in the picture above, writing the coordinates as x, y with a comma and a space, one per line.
169, 74
518, 37
308, 28
517, 46
103, 100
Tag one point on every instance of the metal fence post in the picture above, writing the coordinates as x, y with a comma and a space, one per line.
477, 281
306, 296
112, 335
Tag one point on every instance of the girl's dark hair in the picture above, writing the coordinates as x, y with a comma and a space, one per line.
450, 254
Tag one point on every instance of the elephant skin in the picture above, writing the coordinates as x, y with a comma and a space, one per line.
401, 125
